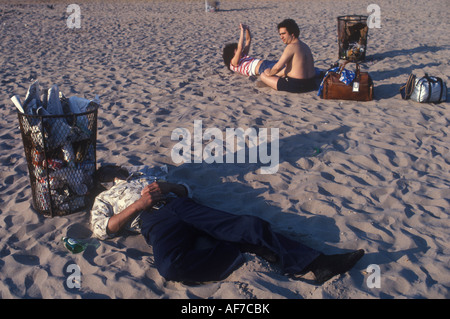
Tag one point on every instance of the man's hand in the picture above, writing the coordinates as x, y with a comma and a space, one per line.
149, 198
150, 195
146, 201
164, 188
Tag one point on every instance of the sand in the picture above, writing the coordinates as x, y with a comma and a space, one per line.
381, 181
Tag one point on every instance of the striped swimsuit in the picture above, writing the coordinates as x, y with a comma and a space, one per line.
246, 65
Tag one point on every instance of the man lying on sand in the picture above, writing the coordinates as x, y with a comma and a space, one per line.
294, 72
195, 243
235, 56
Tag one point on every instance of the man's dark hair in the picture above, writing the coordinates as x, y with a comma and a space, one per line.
291, 27
228, 53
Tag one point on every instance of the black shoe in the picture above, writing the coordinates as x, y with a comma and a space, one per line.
325, 267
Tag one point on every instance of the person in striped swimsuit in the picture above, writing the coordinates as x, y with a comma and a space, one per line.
236, 58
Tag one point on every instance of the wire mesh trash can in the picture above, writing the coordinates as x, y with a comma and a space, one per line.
352, 37
61, 156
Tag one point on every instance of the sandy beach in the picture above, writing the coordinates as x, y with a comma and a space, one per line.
352, 175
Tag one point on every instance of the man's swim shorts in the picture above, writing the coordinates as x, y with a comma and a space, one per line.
296, 85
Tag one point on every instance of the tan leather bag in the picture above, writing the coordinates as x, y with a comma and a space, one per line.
360, 90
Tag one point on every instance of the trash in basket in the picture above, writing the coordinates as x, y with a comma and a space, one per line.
59, 137
352, 37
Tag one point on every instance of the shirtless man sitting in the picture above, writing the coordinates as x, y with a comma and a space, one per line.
294, 71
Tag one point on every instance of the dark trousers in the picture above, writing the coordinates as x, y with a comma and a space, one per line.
174, 231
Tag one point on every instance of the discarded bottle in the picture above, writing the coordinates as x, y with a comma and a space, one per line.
317, 151
77, 246
73, 245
